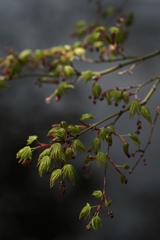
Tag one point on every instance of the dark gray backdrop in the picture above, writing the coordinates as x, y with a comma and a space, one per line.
29, 209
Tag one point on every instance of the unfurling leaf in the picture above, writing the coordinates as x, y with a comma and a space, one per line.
74, 129
102, 157
96, 143
62, 89
24, 155
78, 146
44, 165
102, 134
96, 90
86, 116
56, 152
126, 149
31, 139
69, 171
134, 107
146, 113
68, 153
87, 76
46, 152
97, 194
135, 139
96, 222
85, 212
69, 71
56, 174
111, 128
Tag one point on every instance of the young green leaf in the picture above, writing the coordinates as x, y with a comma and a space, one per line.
62, 89
86, 116
69, 71
85, 212
146, 113
25, 154
31, 139
78, 146
102, 134
135, 139
44, 165
68, 153
102, 157
74, 129
69, 171
56, 152
96, 143
64, 124
86, 75
60, 134
46, 152
111, 128
96, 90
96, 222
134, 107
56, 174
97, 193
126, 149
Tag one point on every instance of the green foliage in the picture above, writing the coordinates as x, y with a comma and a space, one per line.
69, 171
31, 139
86, 116
86, 76
78, 146
97, 194
44, 165
134, 108
96, 144
56, 152
56, 66
55, 175
144, 111
135, 139
24, 155
85, 212
102, 157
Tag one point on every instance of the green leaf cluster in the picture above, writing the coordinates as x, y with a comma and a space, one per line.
115, 96
67, 171
62, 89
78, 146
86, 76
24, 155
102, 157
135, 107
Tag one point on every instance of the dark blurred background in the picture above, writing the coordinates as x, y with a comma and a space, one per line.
29, 209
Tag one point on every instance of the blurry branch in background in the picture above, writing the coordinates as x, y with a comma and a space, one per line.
56, 66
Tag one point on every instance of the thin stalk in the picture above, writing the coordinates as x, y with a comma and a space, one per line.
121, 65
92, 126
